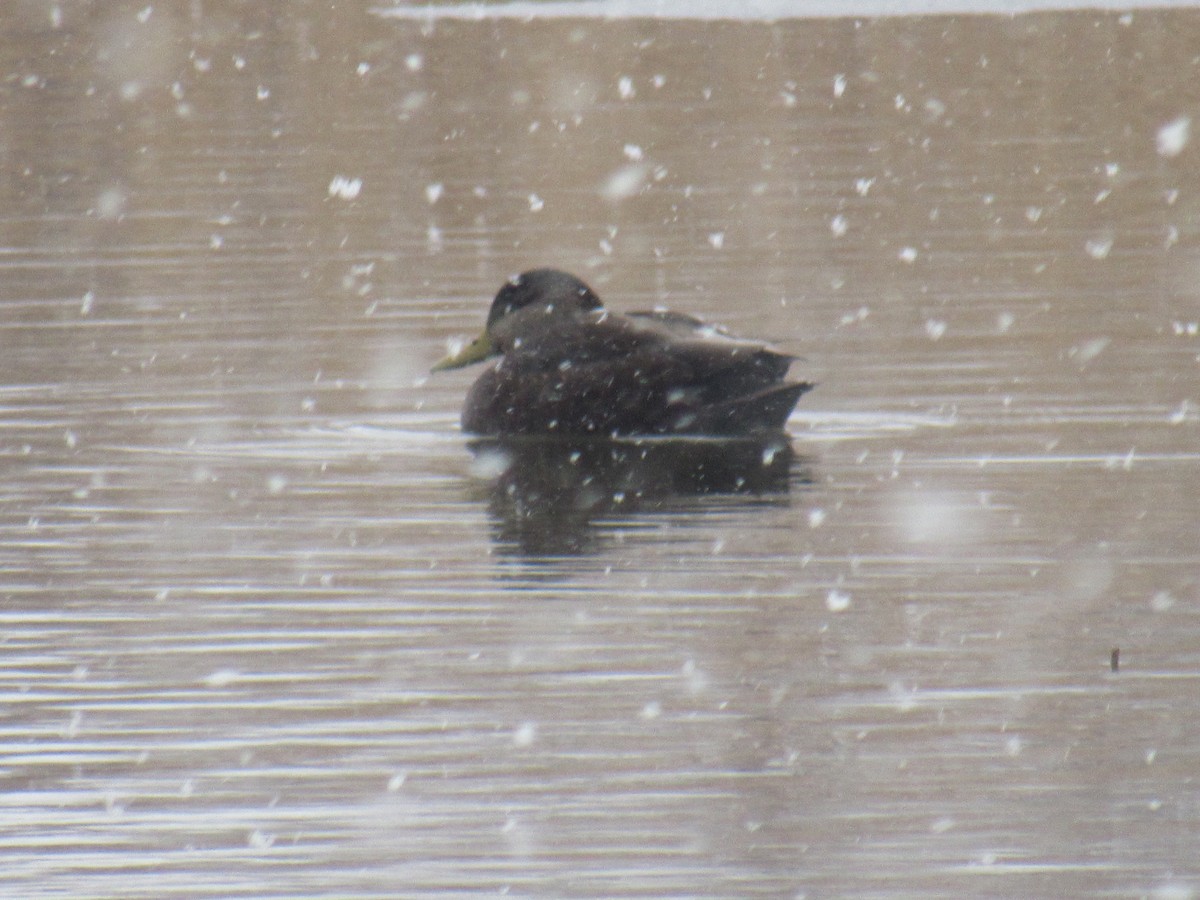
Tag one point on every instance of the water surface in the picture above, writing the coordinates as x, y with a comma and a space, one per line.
271, 628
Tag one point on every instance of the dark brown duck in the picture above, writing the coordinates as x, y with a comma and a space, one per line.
569, 366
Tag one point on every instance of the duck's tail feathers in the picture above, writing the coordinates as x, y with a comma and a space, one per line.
763, 410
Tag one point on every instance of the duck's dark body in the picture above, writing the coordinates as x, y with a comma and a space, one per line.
567, 366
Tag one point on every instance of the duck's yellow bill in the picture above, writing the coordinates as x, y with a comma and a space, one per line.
476, 351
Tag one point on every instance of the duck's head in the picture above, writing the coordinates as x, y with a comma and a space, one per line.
549, 291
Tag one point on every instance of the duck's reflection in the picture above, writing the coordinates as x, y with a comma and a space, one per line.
551, 496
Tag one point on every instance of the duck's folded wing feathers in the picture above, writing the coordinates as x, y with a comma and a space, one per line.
560, 342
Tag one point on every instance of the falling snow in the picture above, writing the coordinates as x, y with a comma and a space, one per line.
267, 600
837, 601
344, 187
1099, 247
1174, 136
525, 735
1162, 601
624, 182
1088, 350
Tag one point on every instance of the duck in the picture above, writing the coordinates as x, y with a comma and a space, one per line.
563, 364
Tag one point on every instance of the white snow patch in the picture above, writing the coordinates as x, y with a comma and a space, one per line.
490, 464
854, 318
837, 601
345, 187
1088, 350
260, 840
110, 204
1085, 577
695, 680
1162, 601
1174, 890
935, 518
903, 696
525, 734
222, 678
1099, 246
1174, 136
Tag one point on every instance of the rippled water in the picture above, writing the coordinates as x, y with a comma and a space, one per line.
272, 627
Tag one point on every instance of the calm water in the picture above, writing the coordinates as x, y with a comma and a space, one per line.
271, 628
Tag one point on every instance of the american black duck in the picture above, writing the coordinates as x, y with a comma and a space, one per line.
569, 366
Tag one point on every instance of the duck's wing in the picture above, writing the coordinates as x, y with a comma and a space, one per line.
724, 366
647, 373
535, 340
